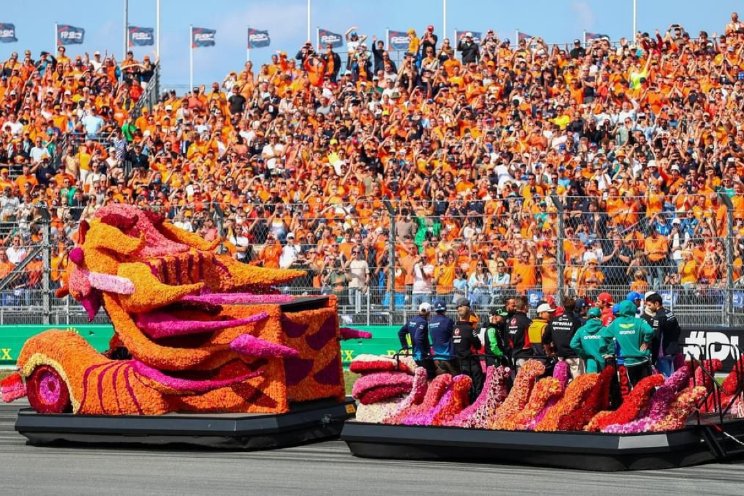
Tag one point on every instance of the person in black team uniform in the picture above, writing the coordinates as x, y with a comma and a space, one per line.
518, 339
465, 341
441, 329
418, 329
665, 348
558, 335
493, 337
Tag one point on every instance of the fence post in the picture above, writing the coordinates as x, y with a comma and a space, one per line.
391, 256
46, 263
729, 298
559, 255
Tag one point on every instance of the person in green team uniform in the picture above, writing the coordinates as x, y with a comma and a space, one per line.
633, 335
494, 337
588, 342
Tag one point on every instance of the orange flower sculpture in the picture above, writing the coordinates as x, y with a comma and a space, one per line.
519, 394
194, 331
546, 390
576, 393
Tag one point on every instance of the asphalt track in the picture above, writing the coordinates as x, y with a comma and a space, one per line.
323, 469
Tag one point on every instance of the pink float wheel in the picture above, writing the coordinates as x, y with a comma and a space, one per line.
47, 392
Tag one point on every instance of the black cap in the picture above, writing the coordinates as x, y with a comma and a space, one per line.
500, 311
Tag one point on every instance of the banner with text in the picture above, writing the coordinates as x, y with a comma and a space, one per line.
141, 36
397, 40
258, 38
326, 37
7, 33
69, 35
202, 37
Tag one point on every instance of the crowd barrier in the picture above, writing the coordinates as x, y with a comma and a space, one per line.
717, 342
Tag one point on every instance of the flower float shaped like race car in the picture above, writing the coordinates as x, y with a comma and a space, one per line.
395, 394
193, 331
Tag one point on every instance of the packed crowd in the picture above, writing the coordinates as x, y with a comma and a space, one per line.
289, 163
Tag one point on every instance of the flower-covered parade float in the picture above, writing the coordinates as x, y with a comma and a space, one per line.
195, 333
536, 418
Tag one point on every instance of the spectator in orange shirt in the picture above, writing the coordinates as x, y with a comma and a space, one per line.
657, 248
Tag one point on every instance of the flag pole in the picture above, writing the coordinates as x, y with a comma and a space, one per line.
309, 29
157, 28
56, 33
191, 57
317, 38
585, 38
444, 18
387, 39
635, 22
126, 29
516, 37
248, 49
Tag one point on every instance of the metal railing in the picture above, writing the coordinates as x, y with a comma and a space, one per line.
413, 256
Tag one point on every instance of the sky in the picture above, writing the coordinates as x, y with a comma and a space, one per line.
557, 21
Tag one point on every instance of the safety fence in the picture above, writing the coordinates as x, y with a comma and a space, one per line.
382, 259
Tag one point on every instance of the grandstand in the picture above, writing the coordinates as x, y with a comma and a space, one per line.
510, 168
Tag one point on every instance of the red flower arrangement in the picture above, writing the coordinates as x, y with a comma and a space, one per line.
495, 391
733, 379
659, 406
576, 393
381, 386
519, 395
636, 402
456, 399
702, 377
597, 400
364, 364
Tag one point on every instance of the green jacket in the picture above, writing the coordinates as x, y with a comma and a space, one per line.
630, 333
588, 342
492, 341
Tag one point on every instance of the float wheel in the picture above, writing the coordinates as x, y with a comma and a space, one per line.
47, 392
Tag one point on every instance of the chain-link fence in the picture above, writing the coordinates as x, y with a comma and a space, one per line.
382, 259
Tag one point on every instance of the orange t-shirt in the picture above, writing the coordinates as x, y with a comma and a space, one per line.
656, 250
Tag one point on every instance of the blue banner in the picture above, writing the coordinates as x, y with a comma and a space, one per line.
258, 38
477, 36
595, 36
141, 36
326, 38
7, 33
69, 35
202, 37
397, 40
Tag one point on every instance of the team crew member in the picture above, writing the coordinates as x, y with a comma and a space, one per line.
587, 342
536, 331
417, 330
665, 349
493, 337
465, 341
558, 335
517, 333
634, 336
605, 303
441, 329
636, 299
